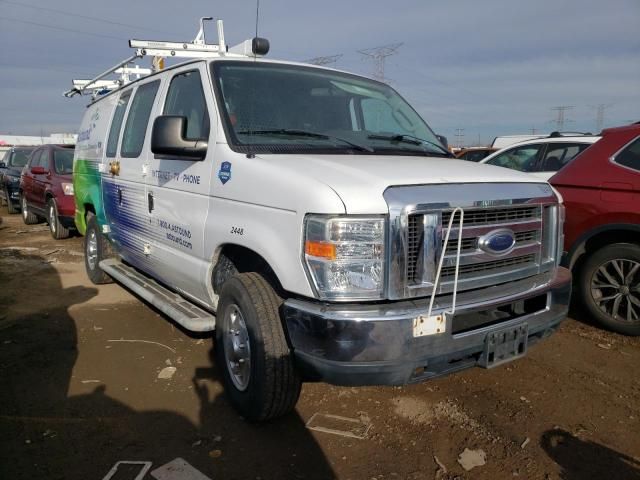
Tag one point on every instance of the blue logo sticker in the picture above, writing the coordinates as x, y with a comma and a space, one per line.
225, 172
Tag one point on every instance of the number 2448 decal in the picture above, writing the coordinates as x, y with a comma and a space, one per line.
237, 231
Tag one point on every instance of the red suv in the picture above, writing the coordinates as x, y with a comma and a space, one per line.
601, 190
46, 189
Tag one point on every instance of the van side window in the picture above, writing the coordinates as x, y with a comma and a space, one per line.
114, 131
136, 127
186, 98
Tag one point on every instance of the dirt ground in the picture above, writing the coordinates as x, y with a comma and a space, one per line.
79, 391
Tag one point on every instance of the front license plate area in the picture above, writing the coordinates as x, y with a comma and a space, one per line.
505, 345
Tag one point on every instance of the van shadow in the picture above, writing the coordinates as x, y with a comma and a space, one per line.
582, 459
45, 433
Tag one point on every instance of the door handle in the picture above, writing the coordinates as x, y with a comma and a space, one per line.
150, 201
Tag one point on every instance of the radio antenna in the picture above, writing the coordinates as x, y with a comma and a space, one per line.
250, 153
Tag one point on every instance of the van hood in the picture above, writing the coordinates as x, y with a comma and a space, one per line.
360, 180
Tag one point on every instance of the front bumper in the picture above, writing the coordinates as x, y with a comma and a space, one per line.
374, 344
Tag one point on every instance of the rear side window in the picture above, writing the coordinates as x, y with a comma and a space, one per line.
520, 158
136, 127
63, 161
186, 98
559, 154
630, 156
114, 131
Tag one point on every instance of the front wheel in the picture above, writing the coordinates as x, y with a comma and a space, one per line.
11, 208
609, 284
251, 349
96, 249
28, 217
58, 231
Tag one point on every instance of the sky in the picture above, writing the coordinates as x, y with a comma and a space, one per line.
472, 69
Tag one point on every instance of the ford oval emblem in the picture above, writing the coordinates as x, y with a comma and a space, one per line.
497, 242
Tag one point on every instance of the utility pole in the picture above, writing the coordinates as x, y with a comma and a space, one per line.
600, 109
459, 137
534, 131
561, 118
379, 55
324, 60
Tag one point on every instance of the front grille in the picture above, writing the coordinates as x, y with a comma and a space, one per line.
475, 263
494, 216
495, 266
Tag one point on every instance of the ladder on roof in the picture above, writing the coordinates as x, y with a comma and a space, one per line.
126, 71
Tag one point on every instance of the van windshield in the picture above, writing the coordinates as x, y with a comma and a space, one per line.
276, 108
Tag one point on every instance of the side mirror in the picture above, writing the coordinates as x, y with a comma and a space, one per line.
3, 165
38, 170
168, 139
443, 140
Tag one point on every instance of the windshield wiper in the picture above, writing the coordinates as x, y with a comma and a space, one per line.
305, 133
401, 137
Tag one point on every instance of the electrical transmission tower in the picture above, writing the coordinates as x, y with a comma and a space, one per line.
324, 60
379, 55
562, 119
600, 109
459, 137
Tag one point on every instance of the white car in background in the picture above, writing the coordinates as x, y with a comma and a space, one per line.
542, 157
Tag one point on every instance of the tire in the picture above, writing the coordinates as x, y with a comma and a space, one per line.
58, 231
11, 209
613, 274
270, 385
28, 217
96, 249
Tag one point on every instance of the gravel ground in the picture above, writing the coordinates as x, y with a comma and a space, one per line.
79, 368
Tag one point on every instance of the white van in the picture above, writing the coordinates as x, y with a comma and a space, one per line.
313, 219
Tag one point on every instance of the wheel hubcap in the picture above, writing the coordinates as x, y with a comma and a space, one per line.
92, 249
615, 287
52, 218
25, 212
237, 350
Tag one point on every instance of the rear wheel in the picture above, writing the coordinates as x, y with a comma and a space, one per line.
58, 231
11, 208
251, 349
96, 249
609, 286
28, 217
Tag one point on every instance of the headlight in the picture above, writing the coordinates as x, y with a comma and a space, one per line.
14, 180
67, 188
345, 256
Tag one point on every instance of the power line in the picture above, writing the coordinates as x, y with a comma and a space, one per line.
379, 55
77, 15
561, 118
63, 29
324, 60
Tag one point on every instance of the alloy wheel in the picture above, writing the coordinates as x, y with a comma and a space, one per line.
92, 249
615, 287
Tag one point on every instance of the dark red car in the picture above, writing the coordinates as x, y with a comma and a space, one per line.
46, 189
601, 190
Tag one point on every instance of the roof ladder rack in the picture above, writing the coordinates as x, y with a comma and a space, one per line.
159, 50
